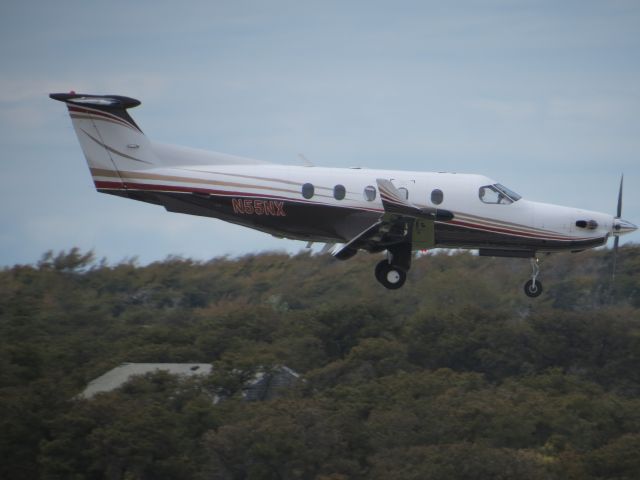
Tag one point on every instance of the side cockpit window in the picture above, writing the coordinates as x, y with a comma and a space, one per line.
498, 194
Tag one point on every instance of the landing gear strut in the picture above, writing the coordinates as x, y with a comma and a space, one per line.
533, 287
392, 272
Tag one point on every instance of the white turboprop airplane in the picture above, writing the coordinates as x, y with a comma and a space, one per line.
349, 209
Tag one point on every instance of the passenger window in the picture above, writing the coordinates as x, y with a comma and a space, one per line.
437, 196
404, 192
339, 192
370, 193
307, 190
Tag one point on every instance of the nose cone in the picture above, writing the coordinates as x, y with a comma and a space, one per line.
620, 227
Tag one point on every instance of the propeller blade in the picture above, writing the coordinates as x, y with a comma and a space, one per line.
616, 241
619, 210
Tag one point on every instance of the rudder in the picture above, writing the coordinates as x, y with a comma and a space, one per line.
111, 141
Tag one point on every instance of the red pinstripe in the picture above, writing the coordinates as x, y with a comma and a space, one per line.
226, 193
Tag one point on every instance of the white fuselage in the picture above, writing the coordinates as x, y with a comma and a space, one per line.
460, 194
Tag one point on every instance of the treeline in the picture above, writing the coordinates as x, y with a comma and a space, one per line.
457, 375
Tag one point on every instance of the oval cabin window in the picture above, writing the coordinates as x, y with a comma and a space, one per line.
437, 196
370, 193
339, 192
307, 190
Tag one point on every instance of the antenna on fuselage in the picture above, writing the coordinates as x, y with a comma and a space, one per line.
305, 161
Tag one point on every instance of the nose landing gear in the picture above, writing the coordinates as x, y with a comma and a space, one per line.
533, 287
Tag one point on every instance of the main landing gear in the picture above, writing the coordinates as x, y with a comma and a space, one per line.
391, 276
533, 287
392, 272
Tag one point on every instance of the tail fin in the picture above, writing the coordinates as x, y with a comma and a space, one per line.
111, 141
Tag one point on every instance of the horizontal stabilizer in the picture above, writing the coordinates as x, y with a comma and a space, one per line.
86, 104
96, 101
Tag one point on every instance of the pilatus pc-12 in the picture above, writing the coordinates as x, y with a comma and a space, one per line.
349, 209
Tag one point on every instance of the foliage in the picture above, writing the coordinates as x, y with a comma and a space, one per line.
457, 375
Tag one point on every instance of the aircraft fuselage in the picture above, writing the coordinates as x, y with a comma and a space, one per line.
270, 198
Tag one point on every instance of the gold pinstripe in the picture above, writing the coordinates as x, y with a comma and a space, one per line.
121, 123
171, 178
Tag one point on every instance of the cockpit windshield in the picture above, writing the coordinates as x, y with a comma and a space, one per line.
498, 194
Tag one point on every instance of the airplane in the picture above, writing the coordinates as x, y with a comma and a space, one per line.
348, 209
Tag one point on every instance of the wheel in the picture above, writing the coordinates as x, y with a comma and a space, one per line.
533, 289
389, 276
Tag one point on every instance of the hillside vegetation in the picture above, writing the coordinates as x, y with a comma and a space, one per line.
457, 375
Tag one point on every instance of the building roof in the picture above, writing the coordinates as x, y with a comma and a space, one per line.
118, 376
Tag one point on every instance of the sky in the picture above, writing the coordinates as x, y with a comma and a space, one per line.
543, 96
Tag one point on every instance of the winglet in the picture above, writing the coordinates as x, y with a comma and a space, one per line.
391, 196
394, 202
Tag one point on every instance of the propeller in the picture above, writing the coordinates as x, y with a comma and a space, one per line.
616, 241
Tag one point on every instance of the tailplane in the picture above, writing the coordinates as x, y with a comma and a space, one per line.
115, 147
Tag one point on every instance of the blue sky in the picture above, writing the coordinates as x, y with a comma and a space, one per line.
543, 96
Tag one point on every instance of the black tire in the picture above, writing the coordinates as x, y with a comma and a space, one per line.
380, 270
533, 290
389, 276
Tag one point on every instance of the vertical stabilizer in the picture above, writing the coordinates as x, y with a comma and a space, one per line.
111, 141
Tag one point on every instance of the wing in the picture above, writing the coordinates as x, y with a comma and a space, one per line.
401, 222
394, 202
